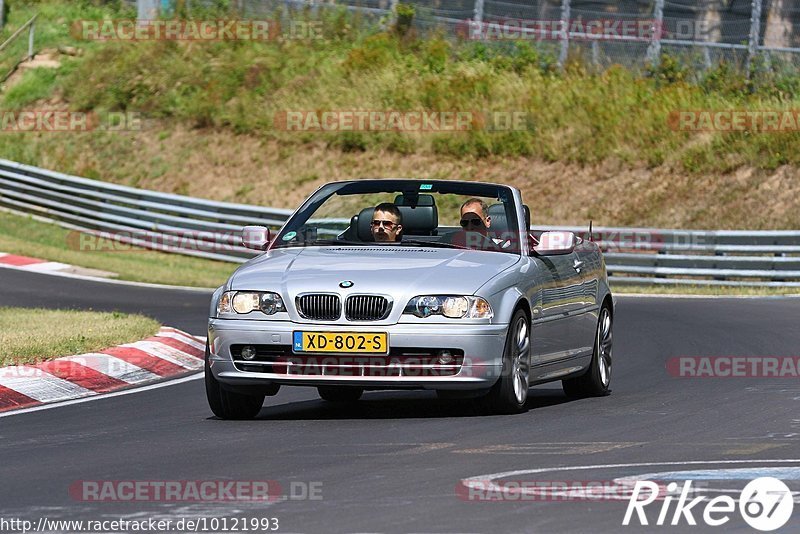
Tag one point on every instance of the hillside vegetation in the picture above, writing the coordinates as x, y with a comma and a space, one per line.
595, 143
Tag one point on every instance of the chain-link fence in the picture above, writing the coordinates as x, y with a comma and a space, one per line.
630, 32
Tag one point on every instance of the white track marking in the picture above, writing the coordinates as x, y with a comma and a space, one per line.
48, 266
113, 367
487, 482
45, 387
195, 376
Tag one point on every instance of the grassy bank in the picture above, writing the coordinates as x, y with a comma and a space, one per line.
575, 116
31, 335
28, 237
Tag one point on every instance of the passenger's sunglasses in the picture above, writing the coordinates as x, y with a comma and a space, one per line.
389, 225
474, 222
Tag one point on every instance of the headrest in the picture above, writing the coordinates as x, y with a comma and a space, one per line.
499, 222
364, 224
422, 220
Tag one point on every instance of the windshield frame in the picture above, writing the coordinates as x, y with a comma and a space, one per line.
306, 210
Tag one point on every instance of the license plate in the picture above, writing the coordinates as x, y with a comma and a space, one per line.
345, 342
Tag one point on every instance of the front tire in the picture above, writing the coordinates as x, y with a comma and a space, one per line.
510, 392
340, 393
226, 404
596, 380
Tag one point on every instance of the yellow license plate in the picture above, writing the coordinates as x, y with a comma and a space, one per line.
346, 342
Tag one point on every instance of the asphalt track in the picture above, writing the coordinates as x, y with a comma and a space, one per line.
393, 462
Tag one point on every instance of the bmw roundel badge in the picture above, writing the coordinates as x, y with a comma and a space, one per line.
346, 283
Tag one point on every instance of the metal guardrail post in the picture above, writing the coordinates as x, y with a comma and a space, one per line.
755, 30
654, 50
565, 14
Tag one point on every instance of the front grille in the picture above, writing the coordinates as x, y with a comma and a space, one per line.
400, 362
366, 308
319, 306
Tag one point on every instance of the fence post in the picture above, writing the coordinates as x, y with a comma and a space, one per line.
2, 14
562, 56
755, 30
654, 50
392, 12
30, 39
146, 10
477, 15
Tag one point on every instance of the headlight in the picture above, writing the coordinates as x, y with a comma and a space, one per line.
452, 306
244, 302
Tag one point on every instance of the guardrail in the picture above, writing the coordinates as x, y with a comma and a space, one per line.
210, 229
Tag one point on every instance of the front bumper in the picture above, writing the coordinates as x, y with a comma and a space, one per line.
480, 367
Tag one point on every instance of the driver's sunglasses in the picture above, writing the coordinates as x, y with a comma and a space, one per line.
389, 225
475, 222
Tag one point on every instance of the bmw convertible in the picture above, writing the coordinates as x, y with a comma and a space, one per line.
410, 284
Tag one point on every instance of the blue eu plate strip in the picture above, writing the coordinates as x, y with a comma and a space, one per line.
298, 341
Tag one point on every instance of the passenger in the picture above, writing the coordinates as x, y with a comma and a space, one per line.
386, 223
475, 219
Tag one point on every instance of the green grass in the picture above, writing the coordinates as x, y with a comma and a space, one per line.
31, 335
679, 289
578, 115
28, 237
36, 84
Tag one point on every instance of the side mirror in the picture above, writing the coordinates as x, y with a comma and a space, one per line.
555, 243
256, 237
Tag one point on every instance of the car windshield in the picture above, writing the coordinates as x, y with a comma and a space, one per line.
435, 214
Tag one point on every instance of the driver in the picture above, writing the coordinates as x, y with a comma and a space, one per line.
475, 216
386, 223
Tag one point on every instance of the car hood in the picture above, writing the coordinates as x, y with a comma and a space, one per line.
398, 271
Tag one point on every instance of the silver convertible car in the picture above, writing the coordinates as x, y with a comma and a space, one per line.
410, 284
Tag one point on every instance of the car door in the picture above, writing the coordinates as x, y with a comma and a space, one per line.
561, 298
588, 265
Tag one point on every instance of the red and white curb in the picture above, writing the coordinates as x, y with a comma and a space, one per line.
169, 353
32, 264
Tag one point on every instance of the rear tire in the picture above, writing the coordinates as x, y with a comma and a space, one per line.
510, 392
226, 404
340, 393
596, 380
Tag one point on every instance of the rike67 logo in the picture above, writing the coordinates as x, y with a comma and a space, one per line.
765, 503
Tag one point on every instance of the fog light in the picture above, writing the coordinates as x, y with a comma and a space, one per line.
445, 357
248, 352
